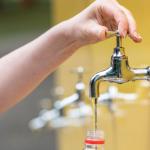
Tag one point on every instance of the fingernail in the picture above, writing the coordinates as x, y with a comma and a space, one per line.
137, 35
140, 37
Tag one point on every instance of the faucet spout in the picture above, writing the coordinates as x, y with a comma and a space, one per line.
95, 82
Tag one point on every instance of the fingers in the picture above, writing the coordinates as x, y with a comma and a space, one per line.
125, 23
132, 26
122, 22
96, 32
101, 34
92, 32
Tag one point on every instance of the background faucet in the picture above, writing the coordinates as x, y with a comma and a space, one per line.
73, 117
112, 94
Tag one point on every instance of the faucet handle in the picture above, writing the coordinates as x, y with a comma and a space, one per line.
116, 33
110, 34
79, 71
59, 91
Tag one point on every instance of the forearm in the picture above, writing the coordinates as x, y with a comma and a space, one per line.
23, 69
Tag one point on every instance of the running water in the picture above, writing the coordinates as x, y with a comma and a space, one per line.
94, 103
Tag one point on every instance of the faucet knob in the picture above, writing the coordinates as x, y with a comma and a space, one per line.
110, 34
59, 91
118, 40
116, 33
79, 71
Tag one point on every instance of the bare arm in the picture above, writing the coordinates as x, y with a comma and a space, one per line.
25, 68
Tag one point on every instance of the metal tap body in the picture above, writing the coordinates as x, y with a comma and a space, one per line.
119, 71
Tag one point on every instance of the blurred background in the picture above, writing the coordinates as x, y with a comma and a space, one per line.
62, 126
20, 22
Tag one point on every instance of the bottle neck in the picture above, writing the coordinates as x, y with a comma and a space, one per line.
94, 140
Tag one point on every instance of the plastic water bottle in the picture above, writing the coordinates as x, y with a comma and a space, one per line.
94, 140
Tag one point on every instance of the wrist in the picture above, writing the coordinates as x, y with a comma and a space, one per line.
66, 35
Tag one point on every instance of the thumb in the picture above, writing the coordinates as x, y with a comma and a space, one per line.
100, 32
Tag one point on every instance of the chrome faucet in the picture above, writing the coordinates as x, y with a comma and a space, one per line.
119, 71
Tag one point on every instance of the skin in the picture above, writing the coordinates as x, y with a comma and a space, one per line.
25, 68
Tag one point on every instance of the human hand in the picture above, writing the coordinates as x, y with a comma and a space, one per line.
91, 24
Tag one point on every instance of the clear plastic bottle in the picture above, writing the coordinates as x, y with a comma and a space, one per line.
94, 140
